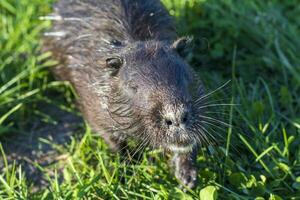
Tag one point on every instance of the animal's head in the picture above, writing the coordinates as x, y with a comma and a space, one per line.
151, 91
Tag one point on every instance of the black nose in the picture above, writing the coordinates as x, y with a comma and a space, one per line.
182, 119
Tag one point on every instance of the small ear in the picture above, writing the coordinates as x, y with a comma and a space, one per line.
182, 46
114, 62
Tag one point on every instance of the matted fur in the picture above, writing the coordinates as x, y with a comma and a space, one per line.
147, 97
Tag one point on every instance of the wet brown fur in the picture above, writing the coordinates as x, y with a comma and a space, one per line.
127, 101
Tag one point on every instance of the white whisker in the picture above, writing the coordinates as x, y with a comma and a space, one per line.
214, 105
215, 120
214, 91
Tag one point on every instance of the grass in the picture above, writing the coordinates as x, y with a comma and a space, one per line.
255, 44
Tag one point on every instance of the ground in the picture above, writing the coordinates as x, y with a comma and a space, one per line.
36, 148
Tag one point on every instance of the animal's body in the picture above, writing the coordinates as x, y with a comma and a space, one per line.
125, 62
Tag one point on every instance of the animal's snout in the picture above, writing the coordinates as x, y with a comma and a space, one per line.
176, 119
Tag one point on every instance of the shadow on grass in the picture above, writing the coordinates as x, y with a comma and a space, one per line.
40, 146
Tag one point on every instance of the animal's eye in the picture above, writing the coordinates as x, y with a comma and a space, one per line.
116, 43
114, 62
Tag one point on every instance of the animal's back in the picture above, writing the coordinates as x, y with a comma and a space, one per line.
84, 29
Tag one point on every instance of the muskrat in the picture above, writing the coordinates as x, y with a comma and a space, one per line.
127, 66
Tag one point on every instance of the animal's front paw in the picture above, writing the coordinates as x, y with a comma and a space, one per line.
187, 175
